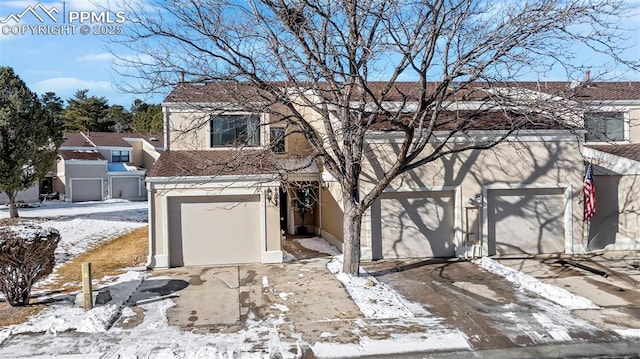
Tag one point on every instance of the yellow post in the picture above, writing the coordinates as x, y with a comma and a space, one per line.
86, 286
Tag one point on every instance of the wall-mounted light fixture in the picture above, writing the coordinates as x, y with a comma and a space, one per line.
270, 197
475, 201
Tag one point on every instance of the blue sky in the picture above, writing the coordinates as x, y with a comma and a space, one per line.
65, 63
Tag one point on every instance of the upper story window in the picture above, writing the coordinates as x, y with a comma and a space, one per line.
604, 126
235, 130
120, 156
276, 135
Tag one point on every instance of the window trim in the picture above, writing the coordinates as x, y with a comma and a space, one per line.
626, 130
120, 155
261, 130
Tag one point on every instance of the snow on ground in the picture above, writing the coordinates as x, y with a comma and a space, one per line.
113, 209
92, 334
524, 281
84, 225
319, 245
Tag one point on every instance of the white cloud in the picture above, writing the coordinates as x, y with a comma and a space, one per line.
65, 84
118, 59
103, 56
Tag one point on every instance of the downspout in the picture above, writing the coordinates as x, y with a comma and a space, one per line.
165, 122
150, 201
320, 190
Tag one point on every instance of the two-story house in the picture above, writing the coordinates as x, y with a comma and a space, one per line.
612, 144
213, 203
94, 166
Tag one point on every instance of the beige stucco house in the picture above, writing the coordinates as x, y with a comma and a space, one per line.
94, 166
523, 197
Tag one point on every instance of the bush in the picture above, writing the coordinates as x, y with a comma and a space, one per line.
26, 256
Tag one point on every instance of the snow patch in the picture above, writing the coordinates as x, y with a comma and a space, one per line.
319, 245
375, 299
526, 282
395, 345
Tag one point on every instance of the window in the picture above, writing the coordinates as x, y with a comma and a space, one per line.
276, 136
228, 131
604, 126
120, 156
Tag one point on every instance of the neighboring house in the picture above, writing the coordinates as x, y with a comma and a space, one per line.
522, 197
94, 166
613, 145
30, 195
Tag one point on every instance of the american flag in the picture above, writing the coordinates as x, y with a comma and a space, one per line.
589, 195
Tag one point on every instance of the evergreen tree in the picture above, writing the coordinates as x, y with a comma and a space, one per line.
30, 135
146, 118
84, 113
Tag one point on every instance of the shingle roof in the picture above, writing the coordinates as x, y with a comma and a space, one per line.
213, 163
87, 155
474, 120
227, 92
107, 139
630, 151
75, 139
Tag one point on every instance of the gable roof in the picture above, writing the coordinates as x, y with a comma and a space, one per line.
75, 139
208, 163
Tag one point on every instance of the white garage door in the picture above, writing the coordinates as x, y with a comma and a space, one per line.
413, 224
83, 190
526, 221
214, 230
125, 187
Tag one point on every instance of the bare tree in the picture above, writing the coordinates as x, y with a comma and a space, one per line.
323, 55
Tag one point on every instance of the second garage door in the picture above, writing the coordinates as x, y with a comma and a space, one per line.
413, 224
214, 230
125, 187
526, 221
86, 190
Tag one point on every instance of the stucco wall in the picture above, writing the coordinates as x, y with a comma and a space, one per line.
634, 125
29, 195
531, 163
629, 208
83, 170
136, 153
271, 215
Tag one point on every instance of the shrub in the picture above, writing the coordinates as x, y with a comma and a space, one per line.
26, 256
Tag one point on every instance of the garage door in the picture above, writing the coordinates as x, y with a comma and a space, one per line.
125, 187
413, 224
214, 230
526, 221
83, 190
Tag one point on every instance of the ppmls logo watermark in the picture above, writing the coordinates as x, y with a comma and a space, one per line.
62, 21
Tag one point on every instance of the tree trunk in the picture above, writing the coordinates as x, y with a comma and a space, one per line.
352, 223
13, 209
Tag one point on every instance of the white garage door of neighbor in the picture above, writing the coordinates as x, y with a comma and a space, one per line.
214, 230
83, 190
125, 187
526, 221
413, 225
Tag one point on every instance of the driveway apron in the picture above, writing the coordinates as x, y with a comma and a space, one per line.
485, 307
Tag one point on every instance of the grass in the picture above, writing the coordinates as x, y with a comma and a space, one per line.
107, 259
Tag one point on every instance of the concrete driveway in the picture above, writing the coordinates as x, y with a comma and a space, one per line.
609, 279
309, 306
487, 308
